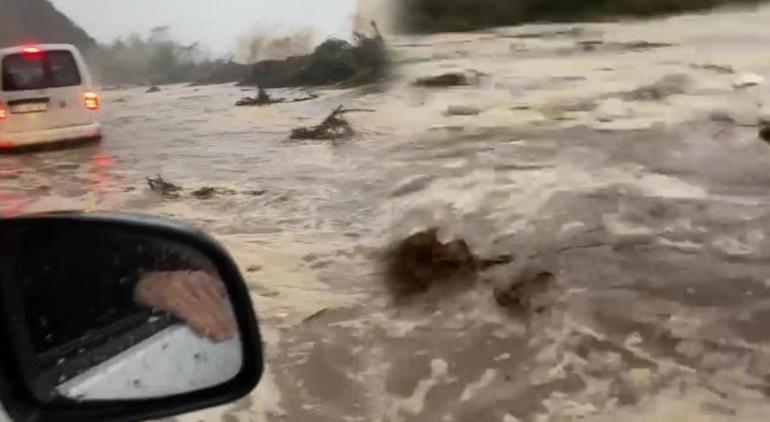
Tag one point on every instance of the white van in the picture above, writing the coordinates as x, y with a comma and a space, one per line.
46, 95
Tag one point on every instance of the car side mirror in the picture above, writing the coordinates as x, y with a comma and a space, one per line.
116, 317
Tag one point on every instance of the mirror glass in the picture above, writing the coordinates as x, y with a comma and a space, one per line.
102, 312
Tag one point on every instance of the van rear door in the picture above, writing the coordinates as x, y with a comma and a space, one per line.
43, 90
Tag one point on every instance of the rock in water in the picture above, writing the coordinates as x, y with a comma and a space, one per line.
152, 89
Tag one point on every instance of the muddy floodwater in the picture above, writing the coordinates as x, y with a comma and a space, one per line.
623, 159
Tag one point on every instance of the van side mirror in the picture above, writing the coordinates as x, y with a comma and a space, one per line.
116, 317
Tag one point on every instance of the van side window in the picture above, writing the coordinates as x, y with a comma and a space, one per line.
48, 69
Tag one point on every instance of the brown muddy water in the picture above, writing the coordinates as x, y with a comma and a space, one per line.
651, 213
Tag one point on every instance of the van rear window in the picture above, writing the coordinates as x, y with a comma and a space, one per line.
46, 69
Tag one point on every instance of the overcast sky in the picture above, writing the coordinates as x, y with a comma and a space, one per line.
215, 23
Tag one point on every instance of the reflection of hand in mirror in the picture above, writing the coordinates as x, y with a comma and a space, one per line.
195, 297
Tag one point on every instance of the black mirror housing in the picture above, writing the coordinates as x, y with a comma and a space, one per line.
22, 404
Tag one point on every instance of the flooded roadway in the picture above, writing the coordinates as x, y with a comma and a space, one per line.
652, 215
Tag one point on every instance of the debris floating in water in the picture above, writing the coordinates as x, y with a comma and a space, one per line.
462, 110
764, 133
264, 99
163, 187
747, 80
721, 69
634, 46
315, 315
521, 294
421, 261
169, 190
334, 126
672, 84
443, 80
208, 192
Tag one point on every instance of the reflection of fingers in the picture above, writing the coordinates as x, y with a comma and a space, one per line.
199, 305
209, 285
196, 284
203, 325
215, 286
191, 309
209, 325
209, 313
228, 327
218, 285
220, 317
217, 306
195, 324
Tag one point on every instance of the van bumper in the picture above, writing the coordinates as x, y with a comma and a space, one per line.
40, 137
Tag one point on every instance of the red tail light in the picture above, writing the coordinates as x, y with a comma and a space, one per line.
32, 53
91, 100
3, 111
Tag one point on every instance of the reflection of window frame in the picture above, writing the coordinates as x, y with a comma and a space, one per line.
44, 371
20, 340
102, 345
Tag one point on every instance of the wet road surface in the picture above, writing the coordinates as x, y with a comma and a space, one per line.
652, 216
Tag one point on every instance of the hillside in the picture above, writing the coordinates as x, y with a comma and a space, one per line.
24, 21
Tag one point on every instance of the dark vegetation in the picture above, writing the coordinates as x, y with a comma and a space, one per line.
157, 58
151, 60
23, 21
463, 15
334, 61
